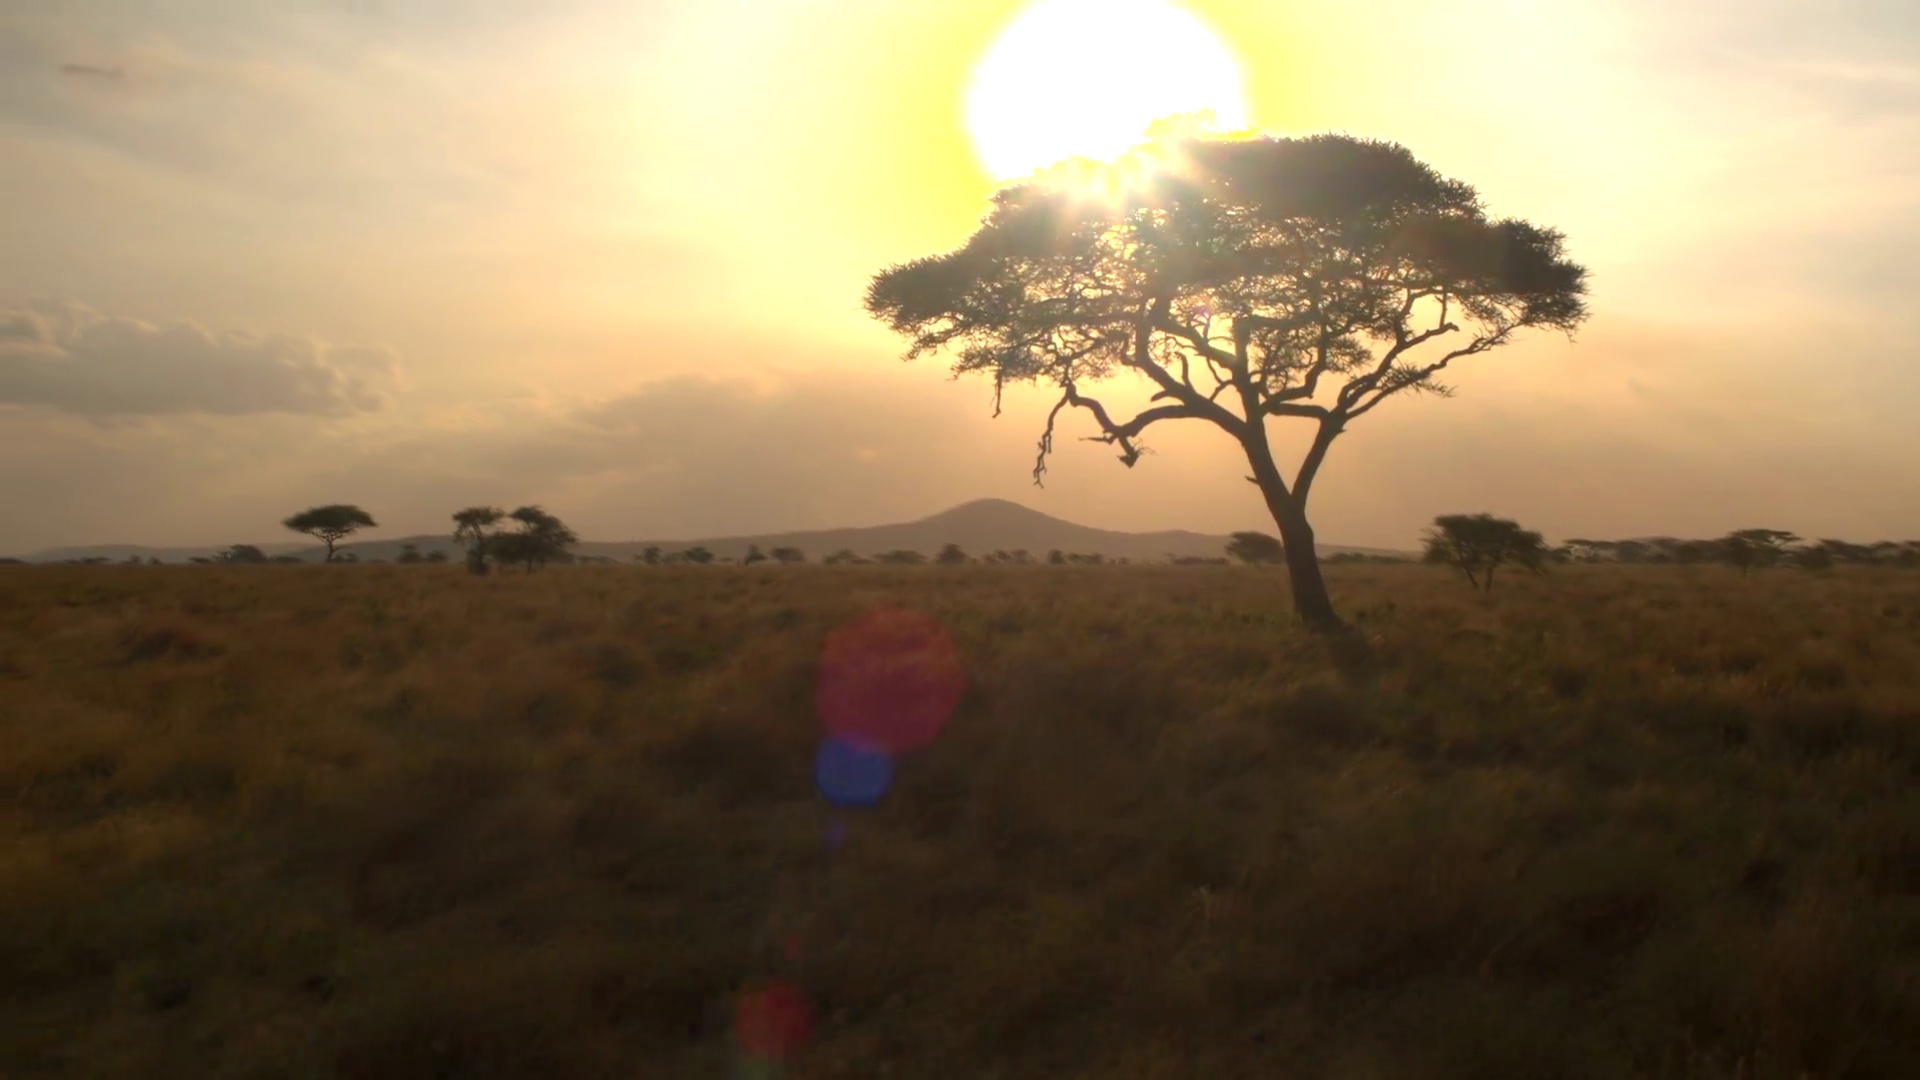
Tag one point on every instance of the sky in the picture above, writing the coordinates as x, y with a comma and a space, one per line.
608, 257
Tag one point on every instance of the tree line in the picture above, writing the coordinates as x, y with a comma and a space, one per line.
1477, 545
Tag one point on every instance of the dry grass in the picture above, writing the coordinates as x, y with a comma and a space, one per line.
396, 822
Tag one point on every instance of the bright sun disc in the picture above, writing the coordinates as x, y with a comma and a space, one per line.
1085, 78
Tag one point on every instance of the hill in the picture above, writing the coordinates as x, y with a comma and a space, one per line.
979, 527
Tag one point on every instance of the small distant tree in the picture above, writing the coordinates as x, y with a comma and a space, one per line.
697, 555
474, 527
1478, 544
436, 556
787, 556
843, 557
1748, 548
330, 524
409, 553
1255, 548
1814, 557
650, 555
541, 538
753, 555
951, 555
153, 560
901, 557
1056, 557
200, 560
244, 553
288, 560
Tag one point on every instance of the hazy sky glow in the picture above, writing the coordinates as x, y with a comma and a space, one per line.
609, 256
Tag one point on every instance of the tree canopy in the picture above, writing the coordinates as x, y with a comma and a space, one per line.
1479, 544
1256, 547
541, 538
472, 527
1246, 280
330, 524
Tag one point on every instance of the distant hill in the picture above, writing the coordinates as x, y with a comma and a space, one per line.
979, 527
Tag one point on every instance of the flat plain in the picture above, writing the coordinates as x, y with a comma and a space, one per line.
395, 821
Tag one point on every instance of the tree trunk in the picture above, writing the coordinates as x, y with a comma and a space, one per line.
1310, 600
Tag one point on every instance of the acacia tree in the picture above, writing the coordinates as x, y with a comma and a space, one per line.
541, 538
330, 524
1748, 548
1479, 543
472, 527
1248, 281
1256, 547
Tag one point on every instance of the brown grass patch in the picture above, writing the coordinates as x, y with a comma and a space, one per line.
388, 821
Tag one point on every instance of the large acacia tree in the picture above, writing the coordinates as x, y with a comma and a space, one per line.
1250, 281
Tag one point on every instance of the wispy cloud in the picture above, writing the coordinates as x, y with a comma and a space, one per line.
73, 359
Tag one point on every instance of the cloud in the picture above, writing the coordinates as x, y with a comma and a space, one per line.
93, 71
70, 358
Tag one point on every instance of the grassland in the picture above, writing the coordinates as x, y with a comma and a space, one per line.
385, 821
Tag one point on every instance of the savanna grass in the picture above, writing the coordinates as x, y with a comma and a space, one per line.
387, 821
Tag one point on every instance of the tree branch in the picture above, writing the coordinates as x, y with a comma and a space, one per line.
1111, 433
1419, 375
1330, 429
1360, 386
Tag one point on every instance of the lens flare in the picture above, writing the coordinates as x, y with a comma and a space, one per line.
889, 681
772, 1021
850, 774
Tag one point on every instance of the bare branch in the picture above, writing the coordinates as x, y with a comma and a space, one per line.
1046, 444
1285, 408
1111, 433
1418, 377
1330, 429
1360, 386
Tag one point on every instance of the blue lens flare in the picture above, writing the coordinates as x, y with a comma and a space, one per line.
849, 774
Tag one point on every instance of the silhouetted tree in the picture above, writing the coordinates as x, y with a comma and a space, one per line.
753, 555
436, 556
786, 556
1247, 280
1479, 543
474, 527
1254, 547
1844, 552
649, 555
698, 555
951, 555
541, 538
330, 524
901, 557
1813, 557
244, 553
1748, 548
288, 560
409, 553
843, 557
1056, 557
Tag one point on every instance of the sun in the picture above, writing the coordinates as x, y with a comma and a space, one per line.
1085, 78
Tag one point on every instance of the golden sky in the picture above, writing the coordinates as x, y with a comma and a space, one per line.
609, 257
